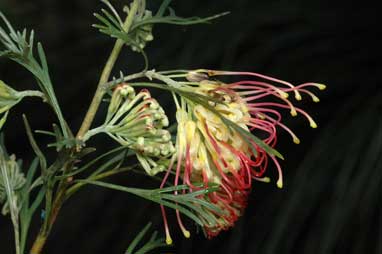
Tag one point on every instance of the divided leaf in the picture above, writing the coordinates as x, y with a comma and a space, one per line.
189, 204
140, 31
153, 243
19, 48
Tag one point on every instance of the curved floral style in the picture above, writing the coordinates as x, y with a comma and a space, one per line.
208, 151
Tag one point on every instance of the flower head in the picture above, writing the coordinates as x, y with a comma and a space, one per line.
210, 150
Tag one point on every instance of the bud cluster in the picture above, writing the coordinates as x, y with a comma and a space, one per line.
136, 120
142, 34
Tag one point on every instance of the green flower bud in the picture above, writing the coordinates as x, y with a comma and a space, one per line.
127, 91
148, 150
165, 121
140, 141
142, 34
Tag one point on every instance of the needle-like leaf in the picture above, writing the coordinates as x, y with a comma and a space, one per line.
191, 205
19, 48
153, 243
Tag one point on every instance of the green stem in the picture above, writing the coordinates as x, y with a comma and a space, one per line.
12, 200
100, 92
15, 222
38, 244
31, 93
48, 207
89, 117
92, 132
52, 208
110, 84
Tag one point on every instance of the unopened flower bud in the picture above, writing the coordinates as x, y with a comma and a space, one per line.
148, 150
127, 90
156, 152
146, 94
165, 121
166, 136
148, 121
157, 116
149, 37
154, 104
140, 141
194, 76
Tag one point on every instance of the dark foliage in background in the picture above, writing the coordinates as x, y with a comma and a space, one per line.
331, 202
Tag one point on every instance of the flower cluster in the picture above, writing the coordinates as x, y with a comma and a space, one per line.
210, 151
137, 121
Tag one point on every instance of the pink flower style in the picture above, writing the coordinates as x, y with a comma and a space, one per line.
208, 151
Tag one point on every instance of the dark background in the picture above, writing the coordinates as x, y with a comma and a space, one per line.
331, 202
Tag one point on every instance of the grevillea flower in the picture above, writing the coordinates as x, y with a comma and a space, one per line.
210, 151
138, 121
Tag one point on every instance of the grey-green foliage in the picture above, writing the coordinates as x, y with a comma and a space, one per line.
112, 25
154, 242
189, 204
19, 46
15, 189
140, 32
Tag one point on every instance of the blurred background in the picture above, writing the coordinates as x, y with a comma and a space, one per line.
331, 202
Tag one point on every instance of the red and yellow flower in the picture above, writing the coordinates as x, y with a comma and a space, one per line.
209, 151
